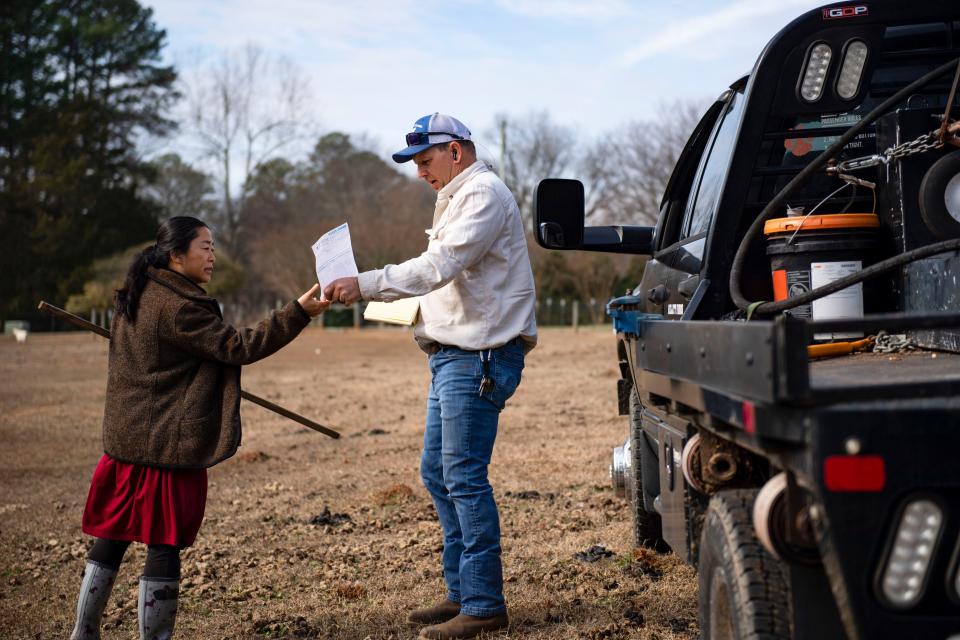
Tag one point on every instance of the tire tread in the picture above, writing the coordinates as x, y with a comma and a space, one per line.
647, 525
759, 591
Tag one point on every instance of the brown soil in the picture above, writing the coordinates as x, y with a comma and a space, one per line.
309, 537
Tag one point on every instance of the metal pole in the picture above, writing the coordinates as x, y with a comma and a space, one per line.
77, 321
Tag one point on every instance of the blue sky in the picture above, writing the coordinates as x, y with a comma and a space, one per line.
376, 67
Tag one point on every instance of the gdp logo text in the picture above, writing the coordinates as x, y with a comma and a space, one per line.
854, 11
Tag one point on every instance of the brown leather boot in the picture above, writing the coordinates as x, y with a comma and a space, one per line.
464, 626
436, 614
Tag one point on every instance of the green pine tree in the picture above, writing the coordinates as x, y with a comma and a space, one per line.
79, 81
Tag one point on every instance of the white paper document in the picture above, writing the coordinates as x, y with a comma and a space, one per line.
334, 255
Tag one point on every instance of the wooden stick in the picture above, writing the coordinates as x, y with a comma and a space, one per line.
77, 321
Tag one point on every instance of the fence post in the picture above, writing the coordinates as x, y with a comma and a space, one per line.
356, 315
576, 314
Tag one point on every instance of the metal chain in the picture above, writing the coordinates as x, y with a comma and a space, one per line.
926, 142
892, 343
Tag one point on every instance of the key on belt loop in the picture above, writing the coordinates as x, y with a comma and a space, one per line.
486, 381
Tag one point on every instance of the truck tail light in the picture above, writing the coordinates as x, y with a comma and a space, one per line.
851, 69
815, 74
854, 473
905, 573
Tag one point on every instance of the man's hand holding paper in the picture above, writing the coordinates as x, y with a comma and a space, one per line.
335, 263
345, 290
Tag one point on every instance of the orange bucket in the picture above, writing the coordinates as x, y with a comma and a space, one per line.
809, 252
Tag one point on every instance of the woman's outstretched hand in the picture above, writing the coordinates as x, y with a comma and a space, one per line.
311, 305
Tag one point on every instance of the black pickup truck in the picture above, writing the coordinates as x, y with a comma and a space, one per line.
790, 361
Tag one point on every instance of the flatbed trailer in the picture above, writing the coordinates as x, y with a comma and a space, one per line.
817, 497
857, 433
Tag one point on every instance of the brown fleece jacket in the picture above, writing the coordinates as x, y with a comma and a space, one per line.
173, 386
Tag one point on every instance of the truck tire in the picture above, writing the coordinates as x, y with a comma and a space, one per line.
647, 525
743, 594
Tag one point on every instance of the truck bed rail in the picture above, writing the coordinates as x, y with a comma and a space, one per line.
767, 362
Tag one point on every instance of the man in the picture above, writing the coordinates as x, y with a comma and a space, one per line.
477, 323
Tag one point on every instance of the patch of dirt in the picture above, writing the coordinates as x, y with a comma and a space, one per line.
327, 518
593, 554
645, 563
394, 494
351, 591
260, 569
528, 495
297, 627
252, 456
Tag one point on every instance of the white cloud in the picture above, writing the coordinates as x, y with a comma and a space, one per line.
377, 65
729, 21
592, 9
289, 26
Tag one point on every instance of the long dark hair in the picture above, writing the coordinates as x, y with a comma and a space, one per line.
175, 234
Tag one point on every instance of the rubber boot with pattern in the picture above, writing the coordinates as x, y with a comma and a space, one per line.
95, 590
157, 607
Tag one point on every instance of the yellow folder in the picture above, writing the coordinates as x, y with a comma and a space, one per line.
403, 311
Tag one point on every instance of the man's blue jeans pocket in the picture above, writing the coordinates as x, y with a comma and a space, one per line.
506, 365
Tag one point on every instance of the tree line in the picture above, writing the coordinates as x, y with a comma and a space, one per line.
84, 92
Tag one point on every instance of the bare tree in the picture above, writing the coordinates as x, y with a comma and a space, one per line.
627, 170
281, 259
180, 189
244, 107
290, 205
596, 275
533, 148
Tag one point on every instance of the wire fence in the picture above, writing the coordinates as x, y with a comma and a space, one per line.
565, 312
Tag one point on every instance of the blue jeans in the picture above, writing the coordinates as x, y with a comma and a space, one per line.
457, 445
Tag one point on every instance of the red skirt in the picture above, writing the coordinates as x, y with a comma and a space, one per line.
145, 504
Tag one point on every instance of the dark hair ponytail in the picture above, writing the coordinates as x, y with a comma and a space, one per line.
174, 235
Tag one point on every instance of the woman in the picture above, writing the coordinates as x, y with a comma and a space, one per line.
172, 410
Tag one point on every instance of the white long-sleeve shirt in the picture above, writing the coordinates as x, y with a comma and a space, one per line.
475, 276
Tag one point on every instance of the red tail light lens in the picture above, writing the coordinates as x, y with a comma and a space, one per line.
854, 473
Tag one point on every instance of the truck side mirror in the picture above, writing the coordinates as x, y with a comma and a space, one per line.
558, 223
558, 217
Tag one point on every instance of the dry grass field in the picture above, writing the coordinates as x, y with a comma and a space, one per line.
309, 537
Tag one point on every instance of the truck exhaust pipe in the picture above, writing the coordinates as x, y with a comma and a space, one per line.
690, 464
620, 469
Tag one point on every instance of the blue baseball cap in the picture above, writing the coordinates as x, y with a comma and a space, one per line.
431, 130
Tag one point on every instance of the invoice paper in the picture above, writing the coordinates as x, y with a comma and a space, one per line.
334, 254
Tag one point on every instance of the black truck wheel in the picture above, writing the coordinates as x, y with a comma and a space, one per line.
647, 526
743, 594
